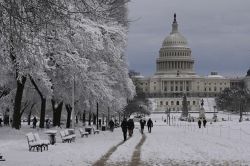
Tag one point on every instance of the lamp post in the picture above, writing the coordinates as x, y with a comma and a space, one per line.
97, 116
73, 102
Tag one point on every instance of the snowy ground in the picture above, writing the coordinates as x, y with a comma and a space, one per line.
182, 143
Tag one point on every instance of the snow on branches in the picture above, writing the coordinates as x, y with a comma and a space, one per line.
57, 42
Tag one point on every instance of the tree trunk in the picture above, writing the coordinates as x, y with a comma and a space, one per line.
69, 110
77, 119
84, 117
89, 118
42, 115
18, 101
94, 119
57, 111
29, 116
43, 104
119, 118
102, 119
54, 120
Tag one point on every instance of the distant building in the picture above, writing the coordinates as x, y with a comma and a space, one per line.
175, 76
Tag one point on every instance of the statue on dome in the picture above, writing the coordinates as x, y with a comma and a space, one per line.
174, 17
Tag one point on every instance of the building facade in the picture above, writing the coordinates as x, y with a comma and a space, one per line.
175, 77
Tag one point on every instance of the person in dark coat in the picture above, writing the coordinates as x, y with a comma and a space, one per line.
142, 123
47, 123
199, 123
34, 122
1, 122
111, 125
150, 125
124, 127
204, 123
131, 127
6, 120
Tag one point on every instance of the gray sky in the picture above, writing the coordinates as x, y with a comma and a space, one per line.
218, 32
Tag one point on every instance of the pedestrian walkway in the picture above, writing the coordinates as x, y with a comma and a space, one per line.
103, 160
136, 158
125, 153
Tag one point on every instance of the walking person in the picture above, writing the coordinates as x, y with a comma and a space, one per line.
150, 125
34, 122
124, 127
111, 125
6, 120
142, 123
199, 123
131, 126
204, 123
47, 123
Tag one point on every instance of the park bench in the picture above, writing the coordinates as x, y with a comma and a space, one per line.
96, 131
1, 157
83, 133
44, 143
66, 136
33, 144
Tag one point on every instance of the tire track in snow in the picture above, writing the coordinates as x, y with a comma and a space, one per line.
136, 158
102, 161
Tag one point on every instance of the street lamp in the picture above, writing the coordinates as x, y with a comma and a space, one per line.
73, 102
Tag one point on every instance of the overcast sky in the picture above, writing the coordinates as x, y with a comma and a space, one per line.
218, 32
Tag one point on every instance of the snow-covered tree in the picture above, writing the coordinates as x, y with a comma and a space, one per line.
52, 43
234, 100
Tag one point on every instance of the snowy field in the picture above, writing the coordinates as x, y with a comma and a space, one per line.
181, 143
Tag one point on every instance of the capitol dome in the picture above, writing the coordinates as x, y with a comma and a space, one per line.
175, 57
175, 39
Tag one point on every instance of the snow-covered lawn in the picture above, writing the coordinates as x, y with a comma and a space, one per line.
182, 143
14, 147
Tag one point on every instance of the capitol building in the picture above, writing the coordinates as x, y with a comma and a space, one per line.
175, 77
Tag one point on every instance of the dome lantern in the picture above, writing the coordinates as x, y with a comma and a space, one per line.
174, 25
175, 38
